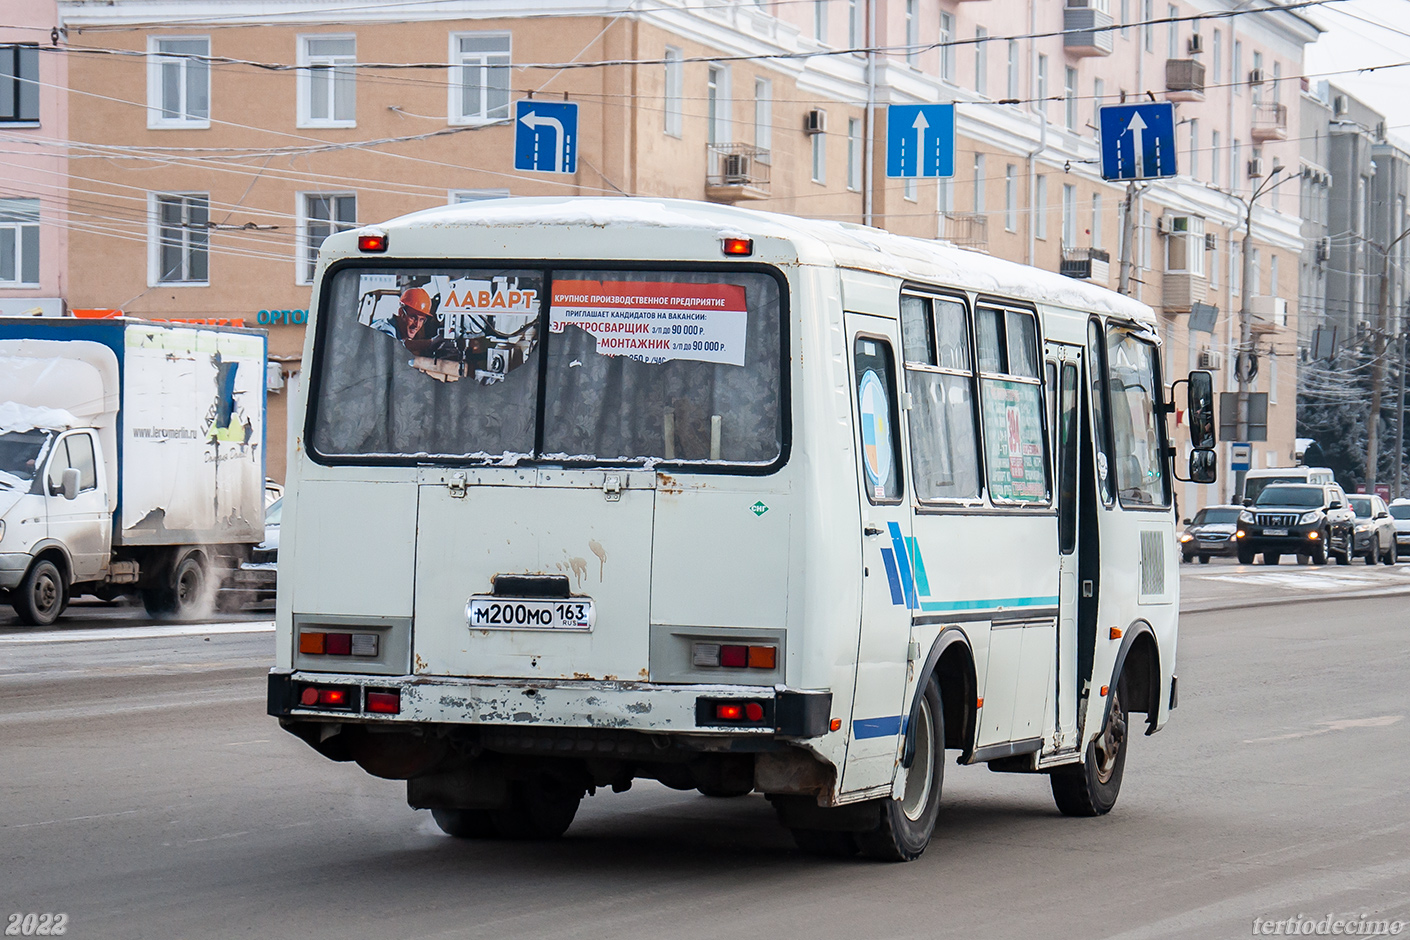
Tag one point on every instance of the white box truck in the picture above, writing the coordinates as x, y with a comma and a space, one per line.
131, 461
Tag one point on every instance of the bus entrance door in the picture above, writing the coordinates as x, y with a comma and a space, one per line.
1065, 370
888, 587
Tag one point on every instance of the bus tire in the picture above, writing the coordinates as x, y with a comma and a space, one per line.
465, 823
42, 596
1091, 787
538, 809
906, 824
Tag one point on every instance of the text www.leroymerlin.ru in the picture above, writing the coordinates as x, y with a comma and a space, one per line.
1330, 925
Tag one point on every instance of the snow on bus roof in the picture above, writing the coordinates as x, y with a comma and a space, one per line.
851, 245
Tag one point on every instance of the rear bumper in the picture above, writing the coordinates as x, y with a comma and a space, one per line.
629, 706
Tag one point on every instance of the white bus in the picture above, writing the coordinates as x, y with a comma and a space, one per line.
585, 491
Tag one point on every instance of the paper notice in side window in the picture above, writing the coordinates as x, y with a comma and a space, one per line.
655, 321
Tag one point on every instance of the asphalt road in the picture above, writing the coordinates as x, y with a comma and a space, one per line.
146, 795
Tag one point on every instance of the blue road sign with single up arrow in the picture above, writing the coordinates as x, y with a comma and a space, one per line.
546, 136
1138, 141
920, 140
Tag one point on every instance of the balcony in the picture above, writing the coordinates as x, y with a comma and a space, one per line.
965, 230
1086, 264
1180, 292
736, 172
1184, 80
1084, 30
1270, 121
1267, 314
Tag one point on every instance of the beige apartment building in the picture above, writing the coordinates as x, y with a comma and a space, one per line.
212, 145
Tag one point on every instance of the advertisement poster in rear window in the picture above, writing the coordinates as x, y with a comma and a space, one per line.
455, 327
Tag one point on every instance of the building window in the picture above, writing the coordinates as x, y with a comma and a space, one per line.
979, 184
19, 242
1043, 85
912, 34
1125, 19
1146, 240
820, 21
854, 154
1194, 147
1098, 92
1184, 245
911, 190
320, 215
1069, 98
327, 81
1273, 278
461, 196
854, 24
947, 51
1010, 198
1069, 215
1216, 56
981, 60
819, 158
675, 75
1236, 68
1040, 207
1277, 82
1212, 264
763, 118
1013, 75
1235, 154
1214, 157
1257, 67
717, 105
1148, 27
480, 83
1172, 34
944, 197
1096, 230
19, 84
181, 242
178, 81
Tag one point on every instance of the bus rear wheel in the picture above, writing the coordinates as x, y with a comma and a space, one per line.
906, 824
1091, 788
538, 809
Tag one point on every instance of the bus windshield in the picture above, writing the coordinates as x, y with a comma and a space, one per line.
495, 365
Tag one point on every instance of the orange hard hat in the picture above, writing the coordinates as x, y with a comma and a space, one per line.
416, 300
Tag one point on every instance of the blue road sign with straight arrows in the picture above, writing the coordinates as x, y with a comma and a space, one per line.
546, 136
1138, 141
920, 140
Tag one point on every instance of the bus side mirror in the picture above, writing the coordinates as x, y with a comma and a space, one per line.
1200, 408
1204, 465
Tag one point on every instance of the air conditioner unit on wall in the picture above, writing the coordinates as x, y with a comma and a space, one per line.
1211, 359
1340, 105
734, 169
1211, 241
1255, 76
1196, 43
1255, 168
815, 121
1324, 249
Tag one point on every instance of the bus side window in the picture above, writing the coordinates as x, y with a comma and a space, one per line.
1011, 397
1096, 369
876, 419
1067, 460
1133, 376
940, 378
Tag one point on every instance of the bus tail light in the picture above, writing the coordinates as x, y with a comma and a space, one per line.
385, 702
743, 247
734, 656
372, 242
734, 712
314, 696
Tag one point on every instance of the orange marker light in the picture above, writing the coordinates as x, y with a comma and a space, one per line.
979, 702
312, 643
737, 246
762, 657
377, 242
1116, 633
1104, 688
836, 724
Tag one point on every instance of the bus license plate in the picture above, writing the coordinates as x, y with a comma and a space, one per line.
1275, 531
487, 612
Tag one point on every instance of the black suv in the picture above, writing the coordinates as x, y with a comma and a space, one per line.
1306, 520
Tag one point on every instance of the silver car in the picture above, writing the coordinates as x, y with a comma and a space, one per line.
1400, 515
1375, 538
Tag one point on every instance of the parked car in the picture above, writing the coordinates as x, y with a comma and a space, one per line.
1400, 515
1311, 522
1210, 532
1375, 530
253, 583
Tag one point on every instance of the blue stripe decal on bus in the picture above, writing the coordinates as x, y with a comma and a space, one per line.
934, 606
891, 576
877, 727
902, 559
918, 564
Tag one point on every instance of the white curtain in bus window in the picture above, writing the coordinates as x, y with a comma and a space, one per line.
1136, 447
428, 362
668, 365
1012, 404
876, 420
944, 443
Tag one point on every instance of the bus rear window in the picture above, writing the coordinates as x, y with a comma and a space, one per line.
497, 365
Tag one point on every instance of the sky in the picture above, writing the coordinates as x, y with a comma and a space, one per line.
1362, 33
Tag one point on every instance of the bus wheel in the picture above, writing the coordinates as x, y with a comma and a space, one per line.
1091, 788
538, 809
465, 823
906, 824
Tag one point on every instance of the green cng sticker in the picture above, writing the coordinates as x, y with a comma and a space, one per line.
759, 508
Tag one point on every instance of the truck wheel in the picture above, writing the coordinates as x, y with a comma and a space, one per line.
538, 809
42, 596
906, 825
1091, 788
182, 597
465, 823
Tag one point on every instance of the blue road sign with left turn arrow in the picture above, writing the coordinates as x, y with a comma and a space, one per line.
546, 136
920, 140
1138, 141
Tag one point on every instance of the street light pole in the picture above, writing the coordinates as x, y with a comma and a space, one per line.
1243, 358
1378, 366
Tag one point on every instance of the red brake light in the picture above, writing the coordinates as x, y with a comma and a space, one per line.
737, 246
729, 712
336, 697
377, 242
384, 703
338, 644
734, 657
308, 697
754, 711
